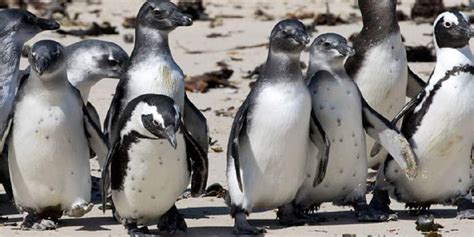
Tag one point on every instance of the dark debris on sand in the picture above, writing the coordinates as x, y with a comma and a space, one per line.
214, 79
94, 30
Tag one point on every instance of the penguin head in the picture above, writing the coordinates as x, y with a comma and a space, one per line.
330, 47
95, 60
47, 59
452, 30
289, 36
23, 25
159, 117
162, 15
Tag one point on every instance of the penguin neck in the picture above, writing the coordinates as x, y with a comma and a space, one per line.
83, 82
452, 57
333, 66
379, 17
150, 43
54, 81
9, 58
282, 66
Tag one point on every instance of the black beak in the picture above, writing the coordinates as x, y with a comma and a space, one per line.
302, 37
181, 19
47, 24
41, 64
171, 136
345, 50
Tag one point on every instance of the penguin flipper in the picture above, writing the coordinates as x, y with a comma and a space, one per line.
106, 173
321, 141
6, 131
93, 113
96, 139
390, 138
199, 163
239, 126
414, 84
196, 124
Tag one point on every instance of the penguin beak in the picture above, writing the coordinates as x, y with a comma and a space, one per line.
171, 136
302, 37
181, 19
47, 24
345, 50
41, 65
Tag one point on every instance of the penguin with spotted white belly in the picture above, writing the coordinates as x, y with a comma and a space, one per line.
379, 66
268, 145
344, 115
152, 69
50, 130
150, 163
439, 124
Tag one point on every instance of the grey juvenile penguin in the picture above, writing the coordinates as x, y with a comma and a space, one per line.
269, 141
379, 66
439, 124
344, 115
152, 68
16, 27
49, 135
151, 162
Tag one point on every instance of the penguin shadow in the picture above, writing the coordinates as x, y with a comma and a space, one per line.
89, 223
204, 212
7, 207
437, 213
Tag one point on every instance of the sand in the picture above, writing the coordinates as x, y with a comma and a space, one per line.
209, 216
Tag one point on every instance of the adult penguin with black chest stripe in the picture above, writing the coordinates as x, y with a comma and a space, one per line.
50, 130
151, 162
439, 124
152, 69
269, 141
379, 66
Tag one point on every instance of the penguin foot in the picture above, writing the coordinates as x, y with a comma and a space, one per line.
96, 190
28, 221
79, 210
379, 209
465, 209
289, 215
45, 224
134, 231
172, 221
243, 227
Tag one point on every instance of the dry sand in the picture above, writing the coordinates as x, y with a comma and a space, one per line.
209, 216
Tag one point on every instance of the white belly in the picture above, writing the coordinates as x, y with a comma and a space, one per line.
48, 152
337, 106
443, 145
382, 81
160, 78
274, 155
157, 175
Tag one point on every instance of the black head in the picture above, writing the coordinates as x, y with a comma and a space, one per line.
452, 30
331, 46
23, 25
289, 36
162, 15
47, 59
160, 117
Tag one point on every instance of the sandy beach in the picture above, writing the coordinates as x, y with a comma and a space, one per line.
210, 216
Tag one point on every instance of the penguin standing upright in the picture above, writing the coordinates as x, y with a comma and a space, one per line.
49, 136
152, 68
439, 124
379, 66
151, 162
268, 145
343, 114
16, 27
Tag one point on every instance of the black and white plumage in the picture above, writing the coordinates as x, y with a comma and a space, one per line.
439, 124
49, 138
344, 115
152, 68
151, 162
270, 136
380, 67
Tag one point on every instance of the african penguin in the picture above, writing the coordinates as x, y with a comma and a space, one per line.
16, 27
379, 66
49, 135
268, 144
152, 68
439, 124
344, 115
151, 162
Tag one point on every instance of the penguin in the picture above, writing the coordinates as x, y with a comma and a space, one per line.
49, 135
16, 27
152, 68
344, 115
439, 125
151, 162
90, 61
379, 66
268, 144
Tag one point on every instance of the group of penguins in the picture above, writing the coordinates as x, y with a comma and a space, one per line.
296, 142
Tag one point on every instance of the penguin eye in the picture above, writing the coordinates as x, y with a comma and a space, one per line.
447, 24
327, 44
160, 13
113, 62
155, 123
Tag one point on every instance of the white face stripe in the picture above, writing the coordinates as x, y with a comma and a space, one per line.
448, 17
